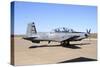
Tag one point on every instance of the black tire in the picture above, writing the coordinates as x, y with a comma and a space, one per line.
65, 44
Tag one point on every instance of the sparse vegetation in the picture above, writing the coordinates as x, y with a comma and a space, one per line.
17, 35
93, 35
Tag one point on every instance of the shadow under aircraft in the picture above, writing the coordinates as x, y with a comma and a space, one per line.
71, 46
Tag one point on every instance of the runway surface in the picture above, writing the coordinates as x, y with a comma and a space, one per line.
27, 54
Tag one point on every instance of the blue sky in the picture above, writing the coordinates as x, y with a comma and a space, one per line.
50, 16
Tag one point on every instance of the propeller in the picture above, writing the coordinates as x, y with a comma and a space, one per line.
88, 31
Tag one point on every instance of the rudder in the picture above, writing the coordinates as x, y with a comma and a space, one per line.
31, 29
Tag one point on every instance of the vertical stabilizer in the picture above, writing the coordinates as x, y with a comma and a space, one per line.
31, 29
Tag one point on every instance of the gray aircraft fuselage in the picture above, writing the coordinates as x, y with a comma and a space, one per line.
57, 37
62, 37
52, 36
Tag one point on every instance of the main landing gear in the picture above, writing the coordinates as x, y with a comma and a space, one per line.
65, 43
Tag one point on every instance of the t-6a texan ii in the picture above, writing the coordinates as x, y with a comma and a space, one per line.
63, 37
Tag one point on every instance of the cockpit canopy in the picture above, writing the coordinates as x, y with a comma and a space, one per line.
63, 29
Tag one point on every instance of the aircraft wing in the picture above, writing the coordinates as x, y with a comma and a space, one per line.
68, 38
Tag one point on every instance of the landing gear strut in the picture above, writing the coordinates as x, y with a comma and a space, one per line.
64, 43
68, 43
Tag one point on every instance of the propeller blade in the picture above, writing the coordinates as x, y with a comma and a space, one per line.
88, 31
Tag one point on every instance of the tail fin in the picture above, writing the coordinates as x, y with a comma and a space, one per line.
31, 29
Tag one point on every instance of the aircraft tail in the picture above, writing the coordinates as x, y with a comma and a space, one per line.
31, 29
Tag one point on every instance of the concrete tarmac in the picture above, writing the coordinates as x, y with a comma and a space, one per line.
26, 54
